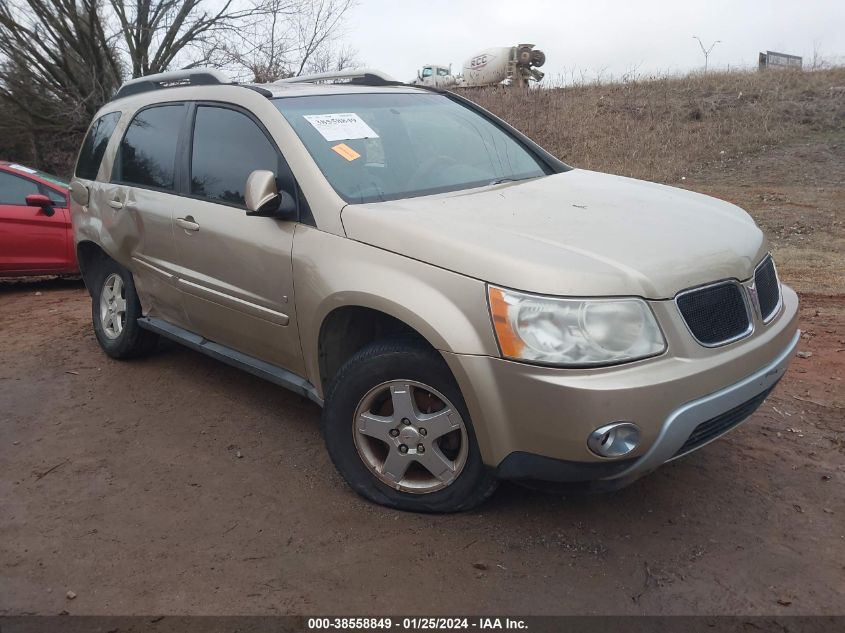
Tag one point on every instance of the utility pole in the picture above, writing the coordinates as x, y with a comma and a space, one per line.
706, 51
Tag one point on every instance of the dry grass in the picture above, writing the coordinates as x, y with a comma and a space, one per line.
664, 128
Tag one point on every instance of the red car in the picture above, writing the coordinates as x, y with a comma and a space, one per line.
35, 232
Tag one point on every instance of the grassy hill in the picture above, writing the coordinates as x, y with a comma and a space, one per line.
666, 128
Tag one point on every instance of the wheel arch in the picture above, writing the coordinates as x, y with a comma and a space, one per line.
345, 329
88, 254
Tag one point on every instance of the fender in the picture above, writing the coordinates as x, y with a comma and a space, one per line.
448, 309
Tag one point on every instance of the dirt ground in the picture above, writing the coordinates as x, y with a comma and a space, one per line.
175, 484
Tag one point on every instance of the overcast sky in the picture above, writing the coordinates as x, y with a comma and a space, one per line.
613, 36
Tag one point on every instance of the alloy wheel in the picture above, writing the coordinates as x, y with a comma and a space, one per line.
410, 436
113, 306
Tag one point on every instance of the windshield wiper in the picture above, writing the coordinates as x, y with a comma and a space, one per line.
499, 181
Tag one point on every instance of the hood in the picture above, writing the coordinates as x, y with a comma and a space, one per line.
579, 233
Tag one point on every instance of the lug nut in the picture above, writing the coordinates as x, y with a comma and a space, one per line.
423, 432
406, 421
403, 449
420, 448
394, 432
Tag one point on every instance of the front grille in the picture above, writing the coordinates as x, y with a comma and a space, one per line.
715, 314
768, 288
723, 423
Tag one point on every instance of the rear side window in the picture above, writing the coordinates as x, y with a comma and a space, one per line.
147, 154
227, 147
94, 146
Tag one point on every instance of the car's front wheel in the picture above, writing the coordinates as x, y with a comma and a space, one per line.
115, 310
398, 430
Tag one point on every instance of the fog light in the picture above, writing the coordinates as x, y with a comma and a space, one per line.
614, 440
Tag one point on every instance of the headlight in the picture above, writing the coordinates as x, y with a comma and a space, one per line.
573, 332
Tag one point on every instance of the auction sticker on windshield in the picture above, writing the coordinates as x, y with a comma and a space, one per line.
340, 127
347, 152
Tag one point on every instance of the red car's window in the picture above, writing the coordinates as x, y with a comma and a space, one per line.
14, 189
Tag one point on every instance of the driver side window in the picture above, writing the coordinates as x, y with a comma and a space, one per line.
227, 147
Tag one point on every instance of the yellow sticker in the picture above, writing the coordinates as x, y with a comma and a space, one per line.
347, 152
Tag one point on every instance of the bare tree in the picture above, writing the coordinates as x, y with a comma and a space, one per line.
291, 37
59, 49
317, 25
260, 47
61, 60
332, 59
156, 33
58, 65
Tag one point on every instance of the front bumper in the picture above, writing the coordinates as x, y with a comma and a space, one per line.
533, 422
734, 403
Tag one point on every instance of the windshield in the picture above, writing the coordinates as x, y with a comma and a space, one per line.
374, 147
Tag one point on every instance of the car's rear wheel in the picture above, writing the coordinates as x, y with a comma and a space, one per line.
115, 310
398, 430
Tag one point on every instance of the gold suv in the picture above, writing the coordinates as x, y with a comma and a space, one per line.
464, 306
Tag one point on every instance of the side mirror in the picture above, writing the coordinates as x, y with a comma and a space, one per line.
265, 200
79, 193
40, 200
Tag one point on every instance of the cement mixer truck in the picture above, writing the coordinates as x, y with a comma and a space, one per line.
512, 65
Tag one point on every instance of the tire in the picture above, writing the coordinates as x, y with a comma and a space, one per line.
363, 425
128, 339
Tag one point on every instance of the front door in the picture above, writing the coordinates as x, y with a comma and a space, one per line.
235, 271
31, 240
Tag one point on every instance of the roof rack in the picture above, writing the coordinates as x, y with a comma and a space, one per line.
360, 76
172, 79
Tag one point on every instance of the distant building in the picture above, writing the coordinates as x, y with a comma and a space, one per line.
779, 61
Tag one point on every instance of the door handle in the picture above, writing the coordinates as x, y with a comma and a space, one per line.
115, 204
187, 223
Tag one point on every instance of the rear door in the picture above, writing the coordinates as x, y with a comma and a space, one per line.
31, 241
235, 270
139, 204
